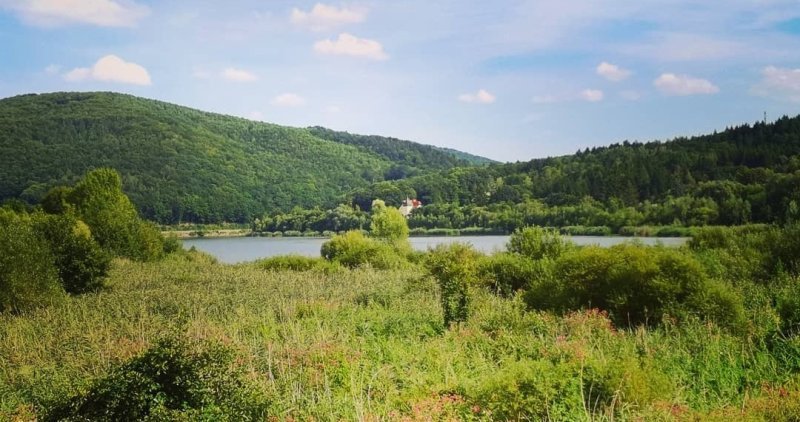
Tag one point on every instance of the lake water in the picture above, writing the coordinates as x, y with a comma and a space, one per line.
241, 249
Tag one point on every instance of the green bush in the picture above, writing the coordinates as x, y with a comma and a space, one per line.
507, 273
28, 276
788, 306
636, 285
173, 380
455, 268
81, 263
531, 390
537, 243
353, 249
387, 222
115, 224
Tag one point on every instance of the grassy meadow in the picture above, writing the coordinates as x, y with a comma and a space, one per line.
367, 344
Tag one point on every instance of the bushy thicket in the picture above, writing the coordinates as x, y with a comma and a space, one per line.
388, 249
636, 285
455, 268
352, 249
74, 234
28, 275
175, 379
100, 202
81, 263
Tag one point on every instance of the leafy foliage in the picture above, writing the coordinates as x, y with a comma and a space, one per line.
537, 243
174, 379
28, 276
99, 200
636, 285
388, 223
745, 174
81, 263
455, 268
352, 249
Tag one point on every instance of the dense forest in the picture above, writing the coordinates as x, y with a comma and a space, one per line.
749, 173
180, 164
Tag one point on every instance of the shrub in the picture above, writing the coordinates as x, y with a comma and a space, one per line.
353, 249
28, 276
174, 379
531, 390
388, 223
115, 224
455, 268
636, 285
81, 263
537, 243
788, 306
507, 273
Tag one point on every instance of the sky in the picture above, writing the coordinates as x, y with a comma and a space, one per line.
510, 80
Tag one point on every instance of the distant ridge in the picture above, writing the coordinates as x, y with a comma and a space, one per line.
180, 164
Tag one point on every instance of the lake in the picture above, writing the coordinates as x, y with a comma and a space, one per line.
240, 249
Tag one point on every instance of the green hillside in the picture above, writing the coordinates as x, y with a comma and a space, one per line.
749, 173
180, 164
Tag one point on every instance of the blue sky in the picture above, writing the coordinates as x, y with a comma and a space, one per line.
509, 80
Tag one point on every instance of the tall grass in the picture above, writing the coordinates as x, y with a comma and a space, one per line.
364, 344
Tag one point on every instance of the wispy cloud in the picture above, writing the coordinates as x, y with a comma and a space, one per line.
111, 69
682, 85
592, 95
50, 13
288, 99
779, 83
481, 97
323, 17
612, 72
349, 45
238, 75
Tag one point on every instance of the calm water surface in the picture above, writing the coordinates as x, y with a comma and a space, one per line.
240, 249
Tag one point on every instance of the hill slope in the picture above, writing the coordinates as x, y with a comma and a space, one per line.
745, 173
180, 164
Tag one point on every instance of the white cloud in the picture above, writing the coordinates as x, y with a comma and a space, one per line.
781, 83
238, 75
123, 13
288, 99
333, 109
612, 72
349, 45
592, 95
322, 17
672, 84
111, 69
255, 115
481, 97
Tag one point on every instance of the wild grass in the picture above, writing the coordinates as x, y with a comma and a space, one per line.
363, 344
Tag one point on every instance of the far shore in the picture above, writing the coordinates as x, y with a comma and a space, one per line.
231, 233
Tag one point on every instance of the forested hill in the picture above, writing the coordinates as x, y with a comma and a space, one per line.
411, 157
745, 173
180, 164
